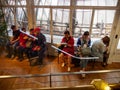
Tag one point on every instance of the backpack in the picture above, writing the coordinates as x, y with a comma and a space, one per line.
86, 51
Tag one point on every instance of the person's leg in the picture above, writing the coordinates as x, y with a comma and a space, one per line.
41, 55
15, 50
105, 57
69, 63
83, 65
8, 48
20, 53
62, 58
27, 52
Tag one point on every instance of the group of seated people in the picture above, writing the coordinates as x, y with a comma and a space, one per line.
33, 44
84, 49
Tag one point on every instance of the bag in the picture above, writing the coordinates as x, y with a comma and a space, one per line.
76, 62
60, 47
86, 51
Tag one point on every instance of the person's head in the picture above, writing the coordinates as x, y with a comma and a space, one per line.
106, 40
13, 27
67, 33
85, 34
31, 31
37, 30
23, 29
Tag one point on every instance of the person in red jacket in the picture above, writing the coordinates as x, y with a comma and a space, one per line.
39, 46
68, 43
22, 44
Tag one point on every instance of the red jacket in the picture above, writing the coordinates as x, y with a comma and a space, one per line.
22, 40
69, 48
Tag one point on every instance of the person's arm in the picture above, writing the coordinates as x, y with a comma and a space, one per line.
13, 41
25, 37
41, 41
89, 43
78, 42
102, 48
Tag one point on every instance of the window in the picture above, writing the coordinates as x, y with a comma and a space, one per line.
102, 24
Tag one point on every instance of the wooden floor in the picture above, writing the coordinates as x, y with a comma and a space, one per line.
15, 67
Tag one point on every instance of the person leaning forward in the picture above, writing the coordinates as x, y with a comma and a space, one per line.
40, 45
99, 49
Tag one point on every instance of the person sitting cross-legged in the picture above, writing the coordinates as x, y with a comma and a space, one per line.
68, 42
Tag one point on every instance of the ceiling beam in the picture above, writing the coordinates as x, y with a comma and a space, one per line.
68, 7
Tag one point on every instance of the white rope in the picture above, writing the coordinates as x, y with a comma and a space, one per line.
73, 55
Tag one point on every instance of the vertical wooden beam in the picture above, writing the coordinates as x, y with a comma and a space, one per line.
30, 13
51, 25
92, 19
115, 31
73, 12
71, 18
62, 17
15, 14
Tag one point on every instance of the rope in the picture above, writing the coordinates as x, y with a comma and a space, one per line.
73, 55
